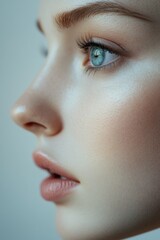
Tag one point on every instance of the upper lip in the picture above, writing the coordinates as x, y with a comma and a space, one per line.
43, 161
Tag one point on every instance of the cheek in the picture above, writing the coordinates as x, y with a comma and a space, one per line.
122, 138
127, 127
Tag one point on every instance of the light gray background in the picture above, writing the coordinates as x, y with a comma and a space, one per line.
24, 215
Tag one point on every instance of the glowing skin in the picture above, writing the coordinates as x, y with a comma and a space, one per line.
104, 127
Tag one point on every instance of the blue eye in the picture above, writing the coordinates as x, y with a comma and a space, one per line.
97, 56
100, 56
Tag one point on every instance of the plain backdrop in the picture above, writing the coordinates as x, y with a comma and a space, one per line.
24, 215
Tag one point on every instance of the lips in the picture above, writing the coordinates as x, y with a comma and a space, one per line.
59, 184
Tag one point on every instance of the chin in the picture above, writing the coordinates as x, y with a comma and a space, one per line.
70, 227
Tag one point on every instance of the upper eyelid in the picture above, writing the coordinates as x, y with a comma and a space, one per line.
104, 43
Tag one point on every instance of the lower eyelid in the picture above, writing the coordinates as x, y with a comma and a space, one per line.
106, 68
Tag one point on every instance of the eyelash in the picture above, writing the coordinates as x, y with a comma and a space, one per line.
86, 43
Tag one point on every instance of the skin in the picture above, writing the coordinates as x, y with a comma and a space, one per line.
104, 127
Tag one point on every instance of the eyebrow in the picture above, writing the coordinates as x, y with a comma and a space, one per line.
67, 19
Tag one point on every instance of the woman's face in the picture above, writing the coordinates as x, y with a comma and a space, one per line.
95, 109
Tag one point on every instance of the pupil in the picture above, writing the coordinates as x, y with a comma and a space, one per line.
97, 56
57, 175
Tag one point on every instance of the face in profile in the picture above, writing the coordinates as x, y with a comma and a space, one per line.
95, 109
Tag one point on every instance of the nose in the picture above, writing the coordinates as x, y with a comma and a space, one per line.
36, 112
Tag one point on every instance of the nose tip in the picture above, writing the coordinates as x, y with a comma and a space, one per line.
17, 114
21, 117
36, 118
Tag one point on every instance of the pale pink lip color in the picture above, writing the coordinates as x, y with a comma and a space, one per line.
54, 188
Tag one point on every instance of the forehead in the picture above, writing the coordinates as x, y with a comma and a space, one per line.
151, 8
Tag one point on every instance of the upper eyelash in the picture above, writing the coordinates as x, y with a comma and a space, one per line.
85, 42
85, 45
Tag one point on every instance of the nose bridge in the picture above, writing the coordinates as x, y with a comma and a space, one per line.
52, 80
38, 109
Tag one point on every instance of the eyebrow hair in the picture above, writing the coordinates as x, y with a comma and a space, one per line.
68, 18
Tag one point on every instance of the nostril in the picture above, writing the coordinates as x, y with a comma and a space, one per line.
34, 127
31, 124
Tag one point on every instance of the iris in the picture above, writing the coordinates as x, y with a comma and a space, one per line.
97, 56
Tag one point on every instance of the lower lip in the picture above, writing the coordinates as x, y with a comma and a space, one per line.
55, 189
